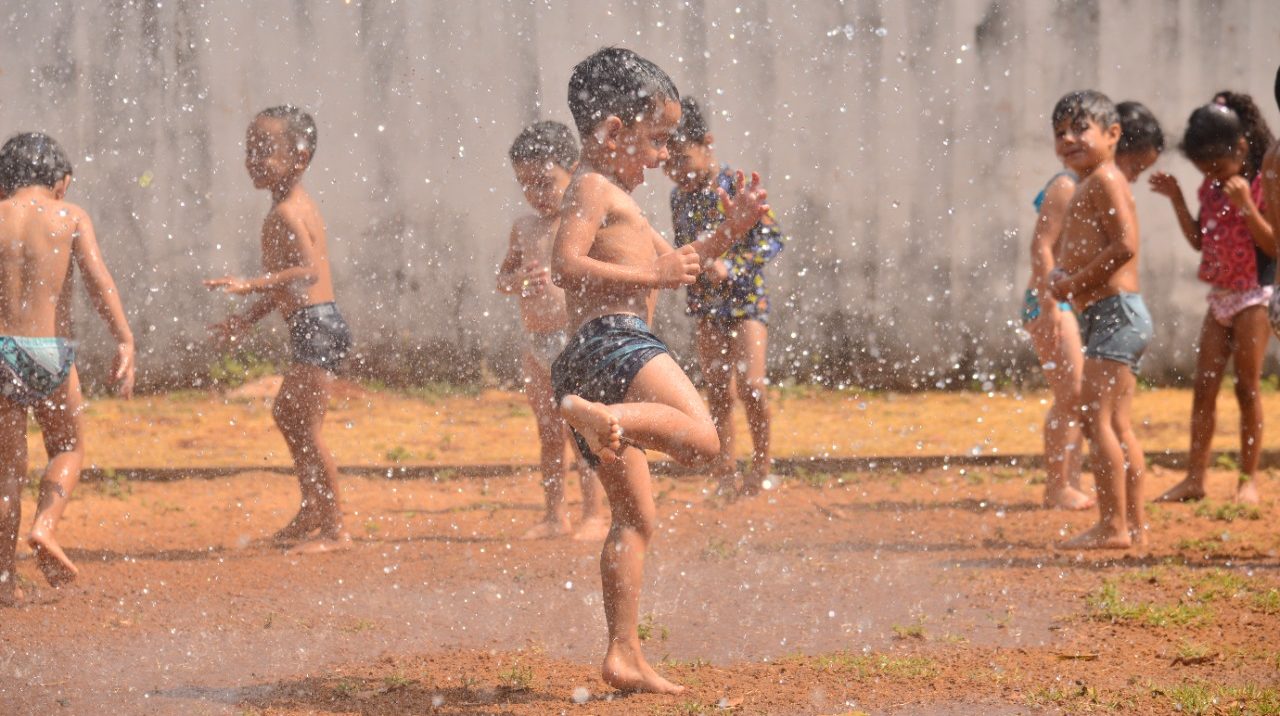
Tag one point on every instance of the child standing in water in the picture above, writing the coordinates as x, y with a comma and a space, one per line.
42, 238
542, 157
1098, 273
279, 146
729, 298
1227, 142
618, 386
1055, 334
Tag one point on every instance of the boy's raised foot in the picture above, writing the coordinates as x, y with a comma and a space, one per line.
307, 520
54, 564
1247, 492
323, 544
593, 529
11, 595
1099, 536
626, 670
596, 424
1186, 491
549, 527
1068, 498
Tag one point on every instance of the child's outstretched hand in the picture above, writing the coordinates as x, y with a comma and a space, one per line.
678, 268
227, 331
122, 370
1165, 184
747, 206
229, 284
1238, 193
534, 279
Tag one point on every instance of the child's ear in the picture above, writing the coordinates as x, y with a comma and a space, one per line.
60, 189
606, 132
304, 158
1114, 131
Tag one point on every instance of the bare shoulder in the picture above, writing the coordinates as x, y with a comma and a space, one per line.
525, 224
595, 190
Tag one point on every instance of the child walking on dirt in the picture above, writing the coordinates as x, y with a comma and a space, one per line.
1098, 273
42, 237
1227, 140
728, 299
542, 156
279, 146
618, 386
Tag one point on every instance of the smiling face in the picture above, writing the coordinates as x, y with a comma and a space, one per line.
269, 157
642, 144
1082, 145
543, 184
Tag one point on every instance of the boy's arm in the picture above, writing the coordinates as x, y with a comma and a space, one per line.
583, 213
1271, 188
301, 245
508, 280
1120, 226
105, 299
742, 211
1167, 185
1240, 193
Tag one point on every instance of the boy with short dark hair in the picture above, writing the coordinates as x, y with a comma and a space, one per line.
279, 146
42, 236
619, 388
542, 156
1098, 273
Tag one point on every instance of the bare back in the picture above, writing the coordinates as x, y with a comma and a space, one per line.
1271, 188
542, 311
293, 236
1100, 237
38, 235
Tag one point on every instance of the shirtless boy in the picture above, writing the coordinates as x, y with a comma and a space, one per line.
1098, 273
1271, 199
542, 156
42, 237
618, 386
280, 144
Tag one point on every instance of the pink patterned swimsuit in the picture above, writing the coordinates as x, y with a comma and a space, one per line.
1238, 271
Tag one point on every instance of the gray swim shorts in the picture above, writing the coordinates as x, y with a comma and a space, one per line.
1116, 328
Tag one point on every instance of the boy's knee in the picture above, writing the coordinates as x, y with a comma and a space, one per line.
1246, 391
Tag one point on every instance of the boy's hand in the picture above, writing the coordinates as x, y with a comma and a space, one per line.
122, 372
746, 207
229, 284
1059, 285
1237, 190
716, 271
1165, 184
678, 268
534, 279
228, 330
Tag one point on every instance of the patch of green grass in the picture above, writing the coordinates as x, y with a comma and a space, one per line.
1267, 602
719, 548
866, 665
398, 454
911, 631
649, 628
1109, 605
519, 677
1218, 583
1198, 699
1227, 461
114, 485
1190, 652
358, 626
397, 681
1208, 545
235, 369
345, 688
812, 478
1228, 511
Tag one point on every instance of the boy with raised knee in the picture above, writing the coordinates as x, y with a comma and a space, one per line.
542, 156
1098, 273
42, 238
618, 386
298, 283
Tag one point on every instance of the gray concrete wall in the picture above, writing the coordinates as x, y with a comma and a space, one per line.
901, 142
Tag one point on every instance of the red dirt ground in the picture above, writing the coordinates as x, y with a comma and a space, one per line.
931, 593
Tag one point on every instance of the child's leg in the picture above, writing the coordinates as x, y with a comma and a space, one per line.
299, 412
750, 347
1056, 339
594, 524
13, 473
715, 356
1135, 466
1105, 383
1250, 333
630, 491
1215, 349
60, 421
541, 397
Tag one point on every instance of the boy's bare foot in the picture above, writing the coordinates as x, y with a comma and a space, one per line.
628, 671
727, 485
1185, 491
323, 544
550, 527
54, 564
1098, 537
1068, 498
12, 597
1138, 537
1247, 492
596, 424
592, 529
307, 520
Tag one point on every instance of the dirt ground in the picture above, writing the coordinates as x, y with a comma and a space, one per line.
863, 592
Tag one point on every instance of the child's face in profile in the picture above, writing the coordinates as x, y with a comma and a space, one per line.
269, 157
1082, 145
1222, 168
543, 184
690, 165
1133, 164
643, 144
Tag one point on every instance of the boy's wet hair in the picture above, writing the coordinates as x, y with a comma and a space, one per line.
1215, 130
693, 124
299, 126
1086, 104
545, 141
1139, 129
616, 81
29, 159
